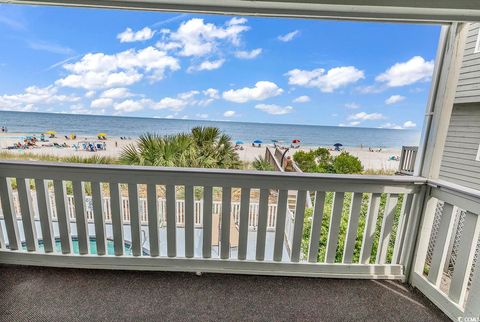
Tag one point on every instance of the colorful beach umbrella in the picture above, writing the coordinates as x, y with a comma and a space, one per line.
51, 132
296, 141
239, 142
257, 141
102, 134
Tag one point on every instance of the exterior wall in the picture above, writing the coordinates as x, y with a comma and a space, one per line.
461, 147
468, 89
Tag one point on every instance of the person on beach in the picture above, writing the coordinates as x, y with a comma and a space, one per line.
288, 165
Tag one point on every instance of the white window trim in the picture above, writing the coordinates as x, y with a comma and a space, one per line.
477, 45
478, 154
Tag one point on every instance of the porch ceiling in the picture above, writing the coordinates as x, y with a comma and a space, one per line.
405, 10
50, 294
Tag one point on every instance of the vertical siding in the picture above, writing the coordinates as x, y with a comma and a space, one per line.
463, 140
468, 89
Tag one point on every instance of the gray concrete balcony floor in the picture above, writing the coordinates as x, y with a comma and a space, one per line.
55, 294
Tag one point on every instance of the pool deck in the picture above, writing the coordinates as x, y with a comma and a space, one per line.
55, 294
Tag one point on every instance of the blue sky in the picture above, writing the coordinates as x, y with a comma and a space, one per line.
193, 66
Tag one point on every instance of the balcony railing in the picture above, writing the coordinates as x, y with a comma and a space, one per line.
267, 254
358, 226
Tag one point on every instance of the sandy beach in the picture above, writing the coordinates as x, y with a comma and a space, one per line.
114, 146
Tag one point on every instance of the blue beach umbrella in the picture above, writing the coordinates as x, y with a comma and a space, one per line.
239, 142
257, 141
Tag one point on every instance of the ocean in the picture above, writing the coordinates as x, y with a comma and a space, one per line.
309, 135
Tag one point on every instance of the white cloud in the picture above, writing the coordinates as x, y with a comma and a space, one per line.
390, 126
101, 103
394, 99
302, 99
274, 109
130, 36
33, 97
50, 47
414, 70
130, 106
352, 106
100, 70
190, 98
409, 125
207, 65
195, 38
174, 104
90, 94
115, 93
212, 93
354, 123
362, 116
288, 37
248, 54
261, 91
80, 109
229, 114
326, 81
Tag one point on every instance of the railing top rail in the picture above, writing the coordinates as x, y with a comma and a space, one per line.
455, 188
202, 176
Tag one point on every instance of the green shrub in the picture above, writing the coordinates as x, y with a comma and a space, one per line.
345, 163
262, 165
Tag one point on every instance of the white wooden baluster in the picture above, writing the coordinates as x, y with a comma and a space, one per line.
465, 255
99, 218
243, 235
350, 239
280, 225
471, 306
153, 220
441, 246
402, 227
262, 224
334, 227
9, 214
134, 219
225, 222
63, 220
81, 217
189, 221
171, 222
3, 245
386, 230
26, 209
298, 226
117, 218
207, 222
370, 225
316, 226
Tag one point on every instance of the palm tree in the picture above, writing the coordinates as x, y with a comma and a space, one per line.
205, 147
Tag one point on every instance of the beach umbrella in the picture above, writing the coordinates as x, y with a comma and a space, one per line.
51, 132
72, 135
257, 141
338, 144
275, 141
296, 141
102, 134
239, 142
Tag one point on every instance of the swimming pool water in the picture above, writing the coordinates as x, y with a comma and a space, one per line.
93, 247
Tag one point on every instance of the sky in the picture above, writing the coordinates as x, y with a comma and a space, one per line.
232, 68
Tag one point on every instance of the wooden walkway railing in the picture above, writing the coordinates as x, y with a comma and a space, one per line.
407, 160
